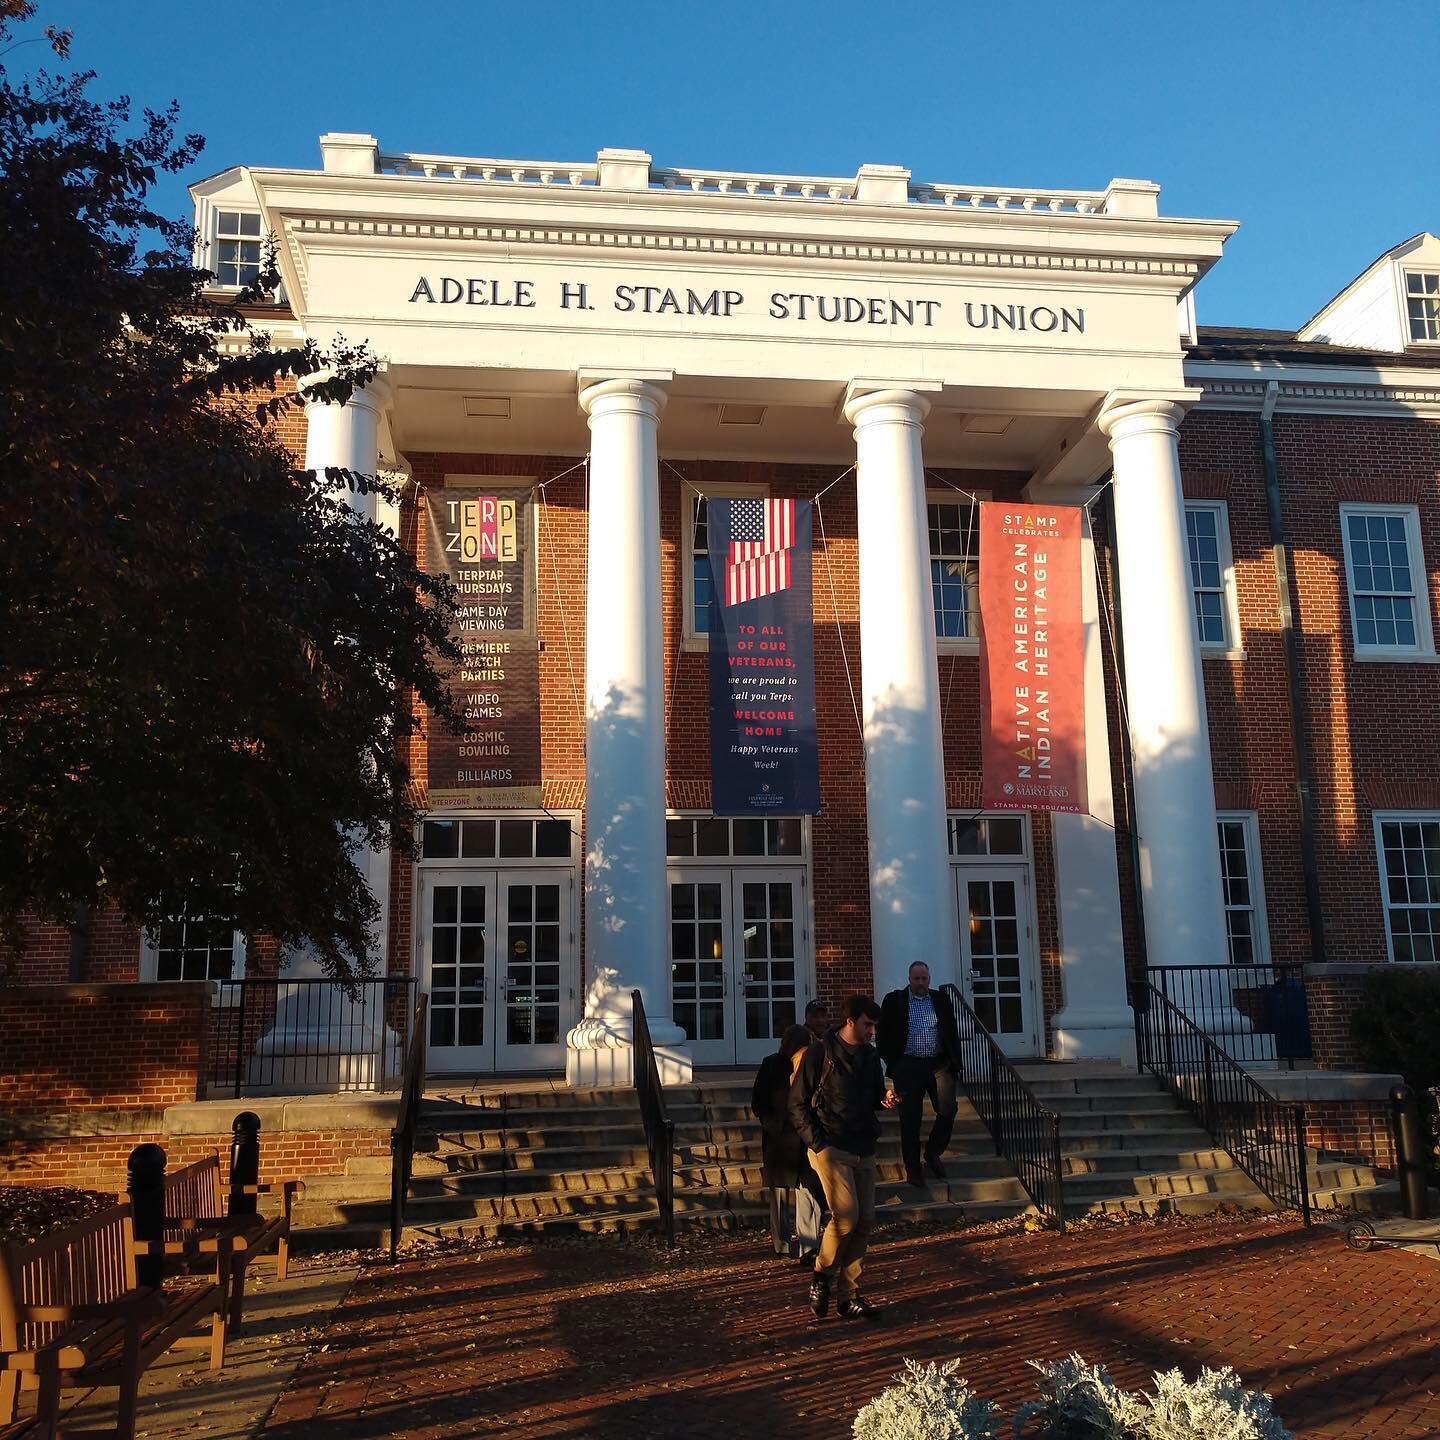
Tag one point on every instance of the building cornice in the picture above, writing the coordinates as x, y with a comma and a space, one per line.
1323, 390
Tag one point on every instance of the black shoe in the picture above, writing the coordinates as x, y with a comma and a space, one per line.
820, 1295
933, 1165
857, 1307
917, 1179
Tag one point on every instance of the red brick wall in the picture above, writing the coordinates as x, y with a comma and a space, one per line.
100, 1047
98, 1162
1357, 1130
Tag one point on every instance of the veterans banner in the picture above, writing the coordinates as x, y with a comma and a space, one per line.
1032, 658
482, 538
763, 755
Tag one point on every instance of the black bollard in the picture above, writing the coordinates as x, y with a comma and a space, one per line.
1409, 1153
145, 1184
244, 1163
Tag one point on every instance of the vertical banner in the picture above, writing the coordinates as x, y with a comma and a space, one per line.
763, 755
482, 539
1032, 658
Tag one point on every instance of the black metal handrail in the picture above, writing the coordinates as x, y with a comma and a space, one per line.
1260, 1008
659, 1127
1025, 1132
402, 1137
1264, 1136
278, 1036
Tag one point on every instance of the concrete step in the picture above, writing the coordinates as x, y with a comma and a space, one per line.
1093, 1162
1148, 1102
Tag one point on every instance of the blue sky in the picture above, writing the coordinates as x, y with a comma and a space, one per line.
1313, 123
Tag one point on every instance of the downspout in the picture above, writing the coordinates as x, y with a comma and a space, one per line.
1127, 757
1299, 709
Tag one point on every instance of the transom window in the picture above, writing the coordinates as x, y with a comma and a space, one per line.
1240, 884
1212, 576
955, 567
1422, 305
1410, 884
194, 948
1383, 563
237, 248
993, 835
520, 838
750, 837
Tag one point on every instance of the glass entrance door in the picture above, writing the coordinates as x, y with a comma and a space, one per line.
496, 959
738, 961
768, 929
997, 954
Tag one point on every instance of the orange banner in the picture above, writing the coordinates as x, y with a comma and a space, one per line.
1032, 658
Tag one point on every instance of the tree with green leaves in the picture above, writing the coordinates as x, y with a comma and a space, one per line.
206, 654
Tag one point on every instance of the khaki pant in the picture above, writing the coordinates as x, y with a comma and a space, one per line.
849, 1182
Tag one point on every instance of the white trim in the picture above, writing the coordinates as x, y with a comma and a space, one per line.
1402, 274
1229, 645
803, 858
1254, 874
690, 492
1424, 646
1027, 837
499, 862
150, 959
942, 495
1378, 818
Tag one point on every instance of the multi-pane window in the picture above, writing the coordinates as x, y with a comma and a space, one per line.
1207, 538
714, 835
192, 948
955, 568
995, 835
503, 839
1241, 888
237, 248
1383, 563
1422, 305
1410, 880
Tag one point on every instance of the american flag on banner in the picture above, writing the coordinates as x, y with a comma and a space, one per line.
762, 534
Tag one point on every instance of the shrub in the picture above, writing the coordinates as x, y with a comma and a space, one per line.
1079, 1402
1395, 1025
1214, 1407
927, 1402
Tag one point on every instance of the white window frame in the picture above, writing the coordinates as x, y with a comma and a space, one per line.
1255, 875
689, 494
1229, 646
570, 861
1424, 646
213, 239
1405, 298
150, 961
1379, 819
1026, 854
955, 644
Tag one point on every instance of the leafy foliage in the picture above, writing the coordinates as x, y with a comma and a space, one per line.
927, 1402
205, 647
1396, 1022
29, 1211
1079, 1402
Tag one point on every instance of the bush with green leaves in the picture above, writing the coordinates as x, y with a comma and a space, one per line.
927, 1402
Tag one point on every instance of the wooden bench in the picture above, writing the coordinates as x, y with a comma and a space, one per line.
195, 1205
72, 1315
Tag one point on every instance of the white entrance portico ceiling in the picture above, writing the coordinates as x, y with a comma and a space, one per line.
485, 278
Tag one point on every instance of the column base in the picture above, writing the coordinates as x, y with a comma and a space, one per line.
599, 1054
1100, 1034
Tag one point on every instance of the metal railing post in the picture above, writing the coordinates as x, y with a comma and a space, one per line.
241, 1048
1302, 1160
997, 1124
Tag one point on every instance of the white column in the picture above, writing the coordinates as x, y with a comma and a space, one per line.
626, 895
1164, 690
1096, 1021
912, 908
309, 1024
348, 437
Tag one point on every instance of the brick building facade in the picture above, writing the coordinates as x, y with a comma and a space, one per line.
371, 242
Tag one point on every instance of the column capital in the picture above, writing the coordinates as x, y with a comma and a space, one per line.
619, 392
899, 402
1127, 413
377, 396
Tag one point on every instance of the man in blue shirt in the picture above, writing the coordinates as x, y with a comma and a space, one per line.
921, 1048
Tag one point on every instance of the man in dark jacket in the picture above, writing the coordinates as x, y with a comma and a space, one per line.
833, 1101
921, 1049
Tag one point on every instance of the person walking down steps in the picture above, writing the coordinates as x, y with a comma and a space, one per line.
836, 1092
920, 1045
796, 1200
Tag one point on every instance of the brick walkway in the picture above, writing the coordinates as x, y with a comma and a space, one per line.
601, 1338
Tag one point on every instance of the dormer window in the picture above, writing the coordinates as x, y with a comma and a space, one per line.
1422, 305
237, 248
